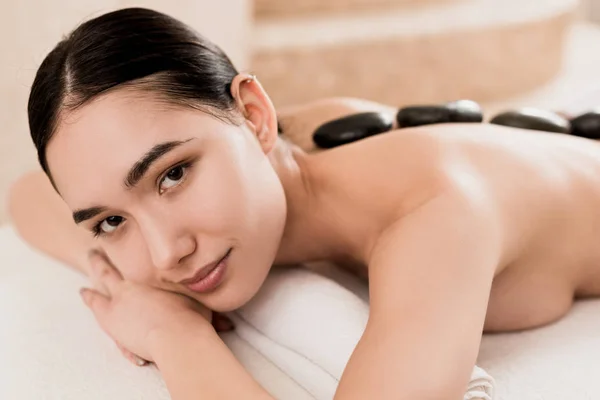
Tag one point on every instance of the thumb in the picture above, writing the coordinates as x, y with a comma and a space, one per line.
96, 301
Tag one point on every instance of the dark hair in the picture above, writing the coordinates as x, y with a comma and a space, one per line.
134, 46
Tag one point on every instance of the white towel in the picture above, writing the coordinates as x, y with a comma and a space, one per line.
308, 325
481, 386
294, 338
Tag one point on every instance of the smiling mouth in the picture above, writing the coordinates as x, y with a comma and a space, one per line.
209, 276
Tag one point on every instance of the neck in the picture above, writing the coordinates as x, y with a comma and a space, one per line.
306, 237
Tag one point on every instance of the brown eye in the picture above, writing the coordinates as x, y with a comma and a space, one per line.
175, 174
114, 221
110, 224
173, 177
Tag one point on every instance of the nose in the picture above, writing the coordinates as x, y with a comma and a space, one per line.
167, 243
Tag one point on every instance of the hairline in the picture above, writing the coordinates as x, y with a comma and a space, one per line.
138, 87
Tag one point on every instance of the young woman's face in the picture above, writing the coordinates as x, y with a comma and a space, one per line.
169, 190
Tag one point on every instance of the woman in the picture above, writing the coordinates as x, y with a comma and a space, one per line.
171, 159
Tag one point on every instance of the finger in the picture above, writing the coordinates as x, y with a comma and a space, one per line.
96, 301
99, 287
104, 273
96, 284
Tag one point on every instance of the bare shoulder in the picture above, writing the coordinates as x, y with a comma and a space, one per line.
398, 171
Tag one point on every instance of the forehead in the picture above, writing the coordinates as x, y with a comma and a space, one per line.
94, 146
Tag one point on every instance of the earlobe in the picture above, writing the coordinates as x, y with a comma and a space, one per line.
267, 137
264, 138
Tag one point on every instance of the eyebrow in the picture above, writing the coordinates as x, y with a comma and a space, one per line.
134, 176
82, 215
139, 169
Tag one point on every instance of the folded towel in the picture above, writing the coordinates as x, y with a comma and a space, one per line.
481, 386
308, 325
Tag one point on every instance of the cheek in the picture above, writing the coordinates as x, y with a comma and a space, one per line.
215, 202
129, 256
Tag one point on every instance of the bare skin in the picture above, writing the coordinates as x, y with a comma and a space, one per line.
460, 228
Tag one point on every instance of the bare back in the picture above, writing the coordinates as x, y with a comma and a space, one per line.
545, 188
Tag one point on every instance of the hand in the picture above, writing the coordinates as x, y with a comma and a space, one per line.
130, 313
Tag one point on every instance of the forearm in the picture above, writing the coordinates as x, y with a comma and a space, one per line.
381, 368
196, 364
43, 220
430, 277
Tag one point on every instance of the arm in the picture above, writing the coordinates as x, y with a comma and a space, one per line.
196, 364
43, 220
430, 279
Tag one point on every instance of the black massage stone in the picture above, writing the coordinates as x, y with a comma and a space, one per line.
533, 118
352, 128
586, 125
457, 112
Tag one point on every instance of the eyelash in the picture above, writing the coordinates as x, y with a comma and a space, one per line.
97, 230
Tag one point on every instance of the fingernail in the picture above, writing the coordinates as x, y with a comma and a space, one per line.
139, 361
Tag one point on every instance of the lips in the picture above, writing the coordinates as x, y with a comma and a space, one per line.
204, 271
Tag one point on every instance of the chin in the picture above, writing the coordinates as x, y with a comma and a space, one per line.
233, 293
228, 300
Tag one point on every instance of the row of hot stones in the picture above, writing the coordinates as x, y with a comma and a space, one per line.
359, 126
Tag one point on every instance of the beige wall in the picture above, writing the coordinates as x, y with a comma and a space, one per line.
590, 9
30, 28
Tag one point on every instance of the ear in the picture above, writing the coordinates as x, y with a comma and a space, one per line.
257, 109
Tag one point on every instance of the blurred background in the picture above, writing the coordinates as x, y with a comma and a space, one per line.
502, 53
